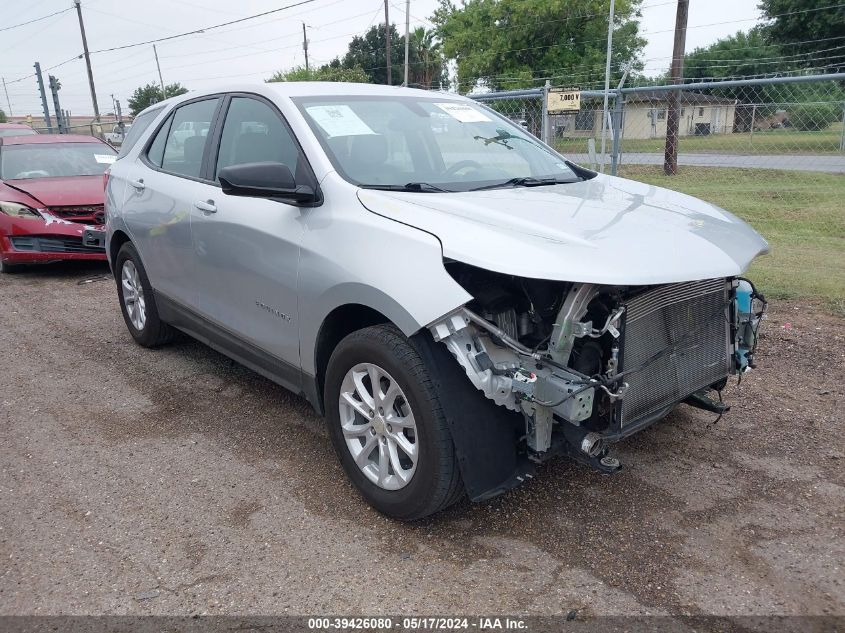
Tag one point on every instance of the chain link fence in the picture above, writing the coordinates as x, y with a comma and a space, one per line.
771, 151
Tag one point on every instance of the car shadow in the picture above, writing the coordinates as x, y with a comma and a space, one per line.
60, 270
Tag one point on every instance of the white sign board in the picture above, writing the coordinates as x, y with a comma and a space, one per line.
338, 120
563, 100
463, 112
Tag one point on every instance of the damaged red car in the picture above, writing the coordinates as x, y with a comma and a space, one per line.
51, 191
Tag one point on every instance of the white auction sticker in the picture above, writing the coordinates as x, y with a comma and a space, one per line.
105, 159
338, 120
463, 112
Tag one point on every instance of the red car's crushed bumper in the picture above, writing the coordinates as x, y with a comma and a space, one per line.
46, 239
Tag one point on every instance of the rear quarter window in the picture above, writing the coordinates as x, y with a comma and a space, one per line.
137, 129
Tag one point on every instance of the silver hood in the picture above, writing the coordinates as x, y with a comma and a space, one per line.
606, 230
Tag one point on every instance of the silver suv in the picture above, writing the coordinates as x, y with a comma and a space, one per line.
461, 306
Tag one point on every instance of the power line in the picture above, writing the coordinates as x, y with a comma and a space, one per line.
203, 30
67, 61
43, 17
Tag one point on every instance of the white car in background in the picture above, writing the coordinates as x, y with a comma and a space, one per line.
117, 134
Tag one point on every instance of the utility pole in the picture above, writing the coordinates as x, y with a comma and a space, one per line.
670, 159
160, 80
8, 103
87, 60
604, 112
305, 46
54, 89
407, 36
43, 98
387, 41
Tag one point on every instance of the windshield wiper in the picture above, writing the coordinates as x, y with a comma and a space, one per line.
528, 181
420, 187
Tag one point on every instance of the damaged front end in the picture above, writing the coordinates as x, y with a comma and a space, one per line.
587, 365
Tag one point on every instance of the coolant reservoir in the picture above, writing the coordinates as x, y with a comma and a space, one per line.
746, 323
743, 299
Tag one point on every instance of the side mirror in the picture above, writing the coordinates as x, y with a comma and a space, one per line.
264, 180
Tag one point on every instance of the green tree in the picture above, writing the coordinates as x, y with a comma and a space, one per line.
2, 116
814, 116
809, 28
740, 55
515, 43
145, 96
368, 53
327, 72
426, 64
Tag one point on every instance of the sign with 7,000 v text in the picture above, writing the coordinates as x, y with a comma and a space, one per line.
563, 100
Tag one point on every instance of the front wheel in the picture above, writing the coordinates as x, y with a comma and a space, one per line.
387, 425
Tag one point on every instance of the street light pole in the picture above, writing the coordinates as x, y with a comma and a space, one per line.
78, 5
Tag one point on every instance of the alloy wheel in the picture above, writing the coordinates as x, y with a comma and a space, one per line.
133, 295
378, 426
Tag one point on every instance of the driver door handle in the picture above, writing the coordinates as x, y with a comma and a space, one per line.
206, 206
138, 184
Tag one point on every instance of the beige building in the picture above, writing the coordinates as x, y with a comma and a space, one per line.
645, 114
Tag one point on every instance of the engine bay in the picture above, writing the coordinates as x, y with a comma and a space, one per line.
587, 365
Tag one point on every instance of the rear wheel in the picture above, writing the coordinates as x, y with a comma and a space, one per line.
137, 302
387, 425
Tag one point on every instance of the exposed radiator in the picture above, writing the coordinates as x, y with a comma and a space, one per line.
694, 313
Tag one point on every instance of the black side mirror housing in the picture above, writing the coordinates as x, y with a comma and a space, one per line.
264, 180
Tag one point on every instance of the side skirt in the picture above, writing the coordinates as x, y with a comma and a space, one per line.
222, 340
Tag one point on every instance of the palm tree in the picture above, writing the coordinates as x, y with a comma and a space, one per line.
427, 61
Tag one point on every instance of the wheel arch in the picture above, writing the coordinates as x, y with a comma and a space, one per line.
338, 324
118, 239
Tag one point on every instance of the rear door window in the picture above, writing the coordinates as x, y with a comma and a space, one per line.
134, 132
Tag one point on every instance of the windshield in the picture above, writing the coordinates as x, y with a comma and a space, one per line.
431, 144
51, 160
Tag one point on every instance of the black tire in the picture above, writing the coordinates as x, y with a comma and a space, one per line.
155, 332
9, 269
436, 483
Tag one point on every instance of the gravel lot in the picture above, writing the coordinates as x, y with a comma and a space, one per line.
176, 482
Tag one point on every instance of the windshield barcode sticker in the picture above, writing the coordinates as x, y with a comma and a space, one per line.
463, 112
338, 120
105, 159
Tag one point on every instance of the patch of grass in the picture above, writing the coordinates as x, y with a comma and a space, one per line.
802, 215
769, 142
